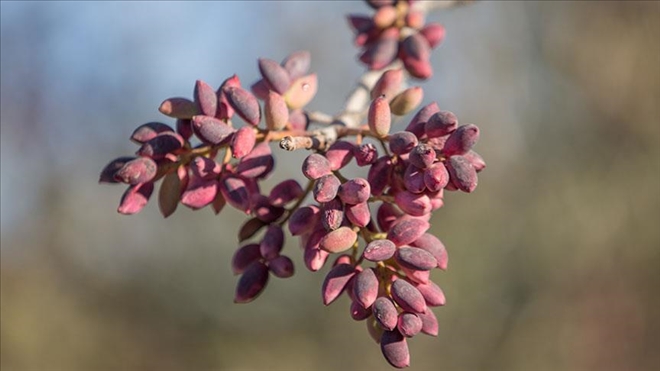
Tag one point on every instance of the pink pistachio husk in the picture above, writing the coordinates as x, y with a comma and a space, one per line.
407, 230
335, 282
257, 163
276, 111
136, 171
274, 74
338, 240
225, 111
252, 282
408, 297
211, 130
418, 123
281, 266
206, 99
244, 103
244, 256
243, 141
135, 198
199, 192
462, 174
149, 130
358, 214
365, 287
339, 154
285, 192
388, 85
379, 117
297, 63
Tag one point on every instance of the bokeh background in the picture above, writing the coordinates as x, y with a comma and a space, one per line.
554, 260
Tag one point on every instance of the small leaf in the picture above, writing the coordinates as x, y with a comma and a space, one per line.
169, 194
250, 228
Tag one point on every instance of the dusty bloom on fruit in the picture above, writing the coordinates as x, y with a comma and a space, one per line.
370, 234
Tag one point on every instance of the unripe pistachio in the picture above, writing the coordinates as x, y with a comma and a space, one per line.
199, 192
110, 170
379, 175
413, 179
461, 140
335, 282
433, 245
415, 258
407, 101
297, 63
252, 282
275, 75
281, 266
244, 256
365, 287
243, 141
338, 240
380, 118
385, 313
355, 191
358, 214
225, 111
135, 198
205, 98
236, 192
180, 108
434, 33
303, 219
476, 160
436, 177
272, 243
325, 188
409, 324
432, 294
379, 250
149, 130
301, 91
205, 168
257, 163
408, 297
382, 52
406, 231
384, 17
139, 170
402, 142
388, 85
429, 323
365, 154
413, 204
275, 111
418, 122
339, 154
244, 104
332, 214
211, 130
462, 174
315, 166
422, 156
285, 192
160, 145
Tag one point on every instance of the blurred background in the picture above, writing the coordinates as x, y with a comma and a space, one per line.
554, 260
